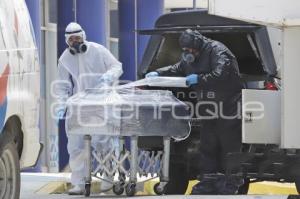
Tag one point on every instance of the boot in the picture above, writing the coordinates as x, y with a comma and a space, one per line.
205, 187
228, 185
76, 190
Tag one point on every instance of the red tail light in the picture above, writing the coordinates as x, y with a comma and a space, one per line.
270, 86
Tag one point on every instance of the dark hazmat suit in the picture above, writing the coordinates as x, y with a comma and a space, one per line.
218, 95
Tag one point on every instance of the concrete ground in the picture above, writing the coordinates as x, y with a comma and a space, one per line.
33, 183
160, 197
42, 186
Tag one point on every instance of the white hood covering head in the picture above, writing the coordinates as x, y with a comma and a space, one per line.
74, 29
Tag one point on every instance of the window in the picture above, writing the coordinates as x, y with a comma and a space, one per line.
50, 14
52, 11
114, 28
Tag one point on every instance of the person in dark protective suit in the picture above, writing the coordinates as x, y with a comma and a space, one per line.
211, 70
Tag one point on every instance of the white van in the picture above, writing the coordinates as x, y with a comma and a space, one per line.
19, 96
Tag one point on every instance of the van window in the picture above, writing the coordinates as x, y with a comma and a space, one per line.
239, 44
168, 53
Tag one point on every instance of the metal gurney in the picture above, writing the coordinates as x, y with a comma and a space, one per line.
127, 113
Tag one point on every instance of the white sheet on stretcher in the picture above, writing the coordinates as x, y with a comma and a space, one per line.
87, 111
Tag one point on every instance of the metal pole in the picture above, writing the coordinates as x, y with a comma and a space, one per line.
135, 38
134, 158
166, 160
194, 4
75, 10
88, 157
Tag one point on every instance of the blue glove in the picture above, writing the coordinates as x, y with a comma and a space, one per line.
59, 115
152, 74
105, 79
192, 79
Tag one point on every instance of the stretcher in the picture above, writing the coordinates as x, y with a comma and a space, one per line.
111, 164
114, 112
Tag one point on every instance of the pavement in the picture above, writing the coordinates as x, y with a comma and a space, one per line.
32, 184
53, 186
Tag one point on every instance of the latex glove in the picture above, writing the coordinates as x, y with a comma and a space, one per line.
59, 115
192, 79
152, 74
106, 79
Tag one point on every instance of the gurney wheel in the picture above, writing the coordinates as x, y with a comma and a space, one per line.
118, 189
87, 190
130, 189
159, 190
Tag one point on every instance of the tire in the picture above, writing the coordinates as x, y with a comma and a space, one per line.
179, 180
9, 172
87, 190
118, 189
130, 189
157, 190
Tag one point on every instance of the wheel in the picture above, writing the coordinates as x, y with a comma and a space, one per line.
130, 189
244, 188
87, 190
9, 172
159, 190
118, 189
179, 180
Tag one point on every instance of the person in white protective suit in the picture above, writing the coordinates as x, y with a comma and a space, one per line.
84, 65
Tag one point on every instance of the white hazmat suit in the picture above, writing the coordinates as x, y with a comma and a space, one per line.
77, 72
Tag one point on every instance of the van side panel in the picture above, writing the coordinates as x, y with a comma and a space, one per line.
290, 88
261, 116
20, 54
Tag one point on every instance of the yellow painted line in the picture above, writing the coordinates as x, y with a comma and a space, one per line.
272, 188
63, 187
53, 188
190, 186
149, 187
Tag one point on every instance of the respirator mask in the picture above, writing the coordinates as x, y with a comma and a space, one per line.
188, 57
77, 47
190, 39
77, 43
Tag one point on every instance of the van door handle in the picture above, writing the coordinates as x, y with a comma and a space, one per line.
248, 117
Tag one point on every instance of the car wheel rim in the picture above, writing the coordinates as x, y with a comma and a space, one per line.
10, 176
3, 178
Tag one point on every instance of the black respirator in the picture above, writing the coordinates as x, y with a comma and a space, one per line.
191, 39
188, 57
77, 47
